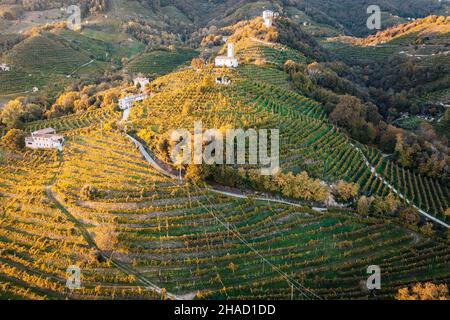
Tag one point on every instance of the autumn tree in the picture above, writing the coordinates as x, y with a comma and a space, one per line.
291, 66
427, 229
14, 139
197, 63
110, 97
88, 193
392, 203
388, 137
424, 291
196, 173
300, 186
12, 113
345, 191
447, 212
106, 237
364, 204
410, 216
348, 111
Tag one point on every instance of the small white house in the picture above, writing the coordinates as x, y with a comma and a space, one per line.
229, 60
268, 18
143, 82
5, 67
45, 139
226, 81
127, 102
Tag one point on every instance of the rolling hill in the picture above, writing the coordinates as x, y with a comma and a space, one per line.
111, 204
183, 241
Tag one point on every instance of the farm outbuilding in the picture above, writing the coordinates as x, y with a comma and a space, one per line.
229, 60
45, 139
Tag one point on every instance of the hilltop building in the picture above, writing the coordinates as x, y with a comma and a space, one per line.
268, 16
5, 67
127, 102
45, 139
143, 82
229, 60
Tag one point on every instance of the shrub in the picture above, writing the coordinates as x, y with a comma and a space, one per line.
345, 192
88, 192
410, 216
14, 139
427, 229
364, 205
106, 237
447, 212
427, 291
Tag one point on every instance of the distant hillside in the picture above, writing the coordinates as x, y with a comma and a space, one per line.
430, 30
92, 6
52, 59
329, 13
351, 15
284, 32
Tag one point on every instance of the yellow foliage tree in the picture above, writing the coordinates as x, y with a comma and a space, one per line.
106, 237
424, 291
345, 191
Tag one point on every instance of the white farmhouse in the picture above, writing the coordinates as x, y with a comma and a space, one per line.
143, 82
5, 67
229, 60
45, 139
127, 102
268, 18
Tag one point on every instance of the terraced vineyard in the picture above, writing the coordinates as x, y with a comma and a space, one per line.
195, 243
352, 53
97, 49
186, 240
251, 50
322, 150
137, 233
437, 96
309, 143
38, 242
279, 100
46, 60
161, 62
47, 55
266, 74
75, 121
19, 81
422, 191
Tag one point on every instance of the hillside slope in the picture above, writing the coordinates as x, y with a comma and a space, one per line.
430, 30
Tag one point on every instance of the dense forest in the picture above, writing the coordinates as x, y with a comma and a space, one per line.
330, 12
